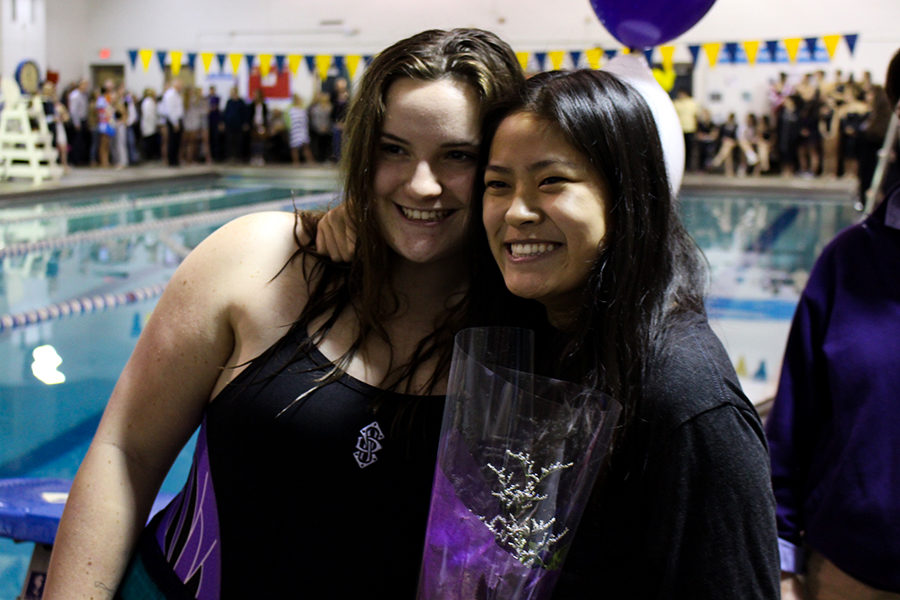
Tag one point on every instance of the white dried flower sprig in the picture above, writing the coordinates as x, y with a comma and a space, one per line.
528, 537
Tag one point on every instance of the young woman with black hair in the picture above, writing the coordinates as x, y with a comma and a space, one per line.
579, 217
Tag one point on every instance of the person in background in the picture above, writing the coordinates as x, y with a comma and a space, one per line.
106, 122
705, 139
173, 109
299, 131
340, 100
57, 119
320, 127
235, 125
687, 109
259, 128
195, 116
871, 137
150, 143
214, 127
834, 429
78, 100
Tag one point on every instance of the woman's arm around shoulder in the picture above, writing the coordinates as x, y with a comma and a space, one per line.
159, 399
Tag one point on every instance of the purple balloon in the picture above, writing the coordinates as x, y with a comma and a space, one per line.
647, 23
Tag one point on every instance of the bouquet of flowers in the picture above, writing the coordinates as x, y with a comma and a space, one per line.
518, 456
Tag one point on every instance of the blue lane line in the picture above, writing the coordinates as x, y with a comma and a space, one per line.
50, 450
720, 307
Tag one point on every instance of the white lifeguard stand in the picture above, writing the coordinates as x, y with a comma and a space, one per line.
26, 146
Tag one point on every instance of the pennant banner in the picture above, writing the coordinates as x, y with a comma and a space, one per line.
175, 55
265, 64
235, 60
353, 64
323, 63
206, 60
791, 50
556, 59
523, 59
751, 49
146, 56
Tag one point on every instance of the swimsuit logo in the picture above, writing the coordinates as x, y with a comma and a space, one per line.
368, 444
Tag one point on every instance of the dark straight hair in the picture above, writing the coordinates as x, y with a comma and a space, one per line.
648, 268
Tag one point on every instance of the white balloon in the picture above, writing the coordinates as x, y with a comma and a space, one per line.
633, 69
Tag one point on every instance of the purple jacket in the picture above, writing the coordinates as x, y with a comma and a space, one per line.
834, 431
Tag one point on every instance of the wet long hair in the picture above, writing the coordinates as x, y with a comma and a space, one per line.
473, 57
648, 268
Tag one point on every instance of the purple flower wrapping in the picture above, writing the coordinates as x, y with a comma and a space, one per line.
517, 459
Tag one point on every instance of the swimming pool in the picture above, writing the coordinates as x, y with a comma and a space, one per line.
78, 279
81, 275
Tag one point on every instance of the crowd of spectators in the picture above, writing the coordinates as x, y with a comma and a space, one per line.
112, 127
814, 128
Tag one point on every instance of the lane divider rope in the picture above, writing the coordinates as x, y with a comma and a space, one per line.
182, 222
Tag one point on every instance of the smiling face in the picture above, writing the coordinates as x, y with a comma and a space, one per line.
544, 212
425, 167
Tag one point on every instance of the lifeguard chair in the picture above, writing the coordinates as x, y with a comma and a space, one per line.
26, 145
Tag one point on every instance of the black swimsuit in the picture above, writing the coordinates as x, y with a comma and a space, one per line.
333, 493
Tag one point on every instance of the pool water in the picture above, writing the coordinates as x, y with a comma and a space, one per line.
83, 274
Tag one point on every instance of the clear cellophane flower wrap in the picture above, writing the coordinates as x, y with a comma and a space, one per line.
518, 456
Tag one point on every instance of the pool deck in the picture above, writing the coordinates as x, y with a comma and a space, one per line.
79, 179
82, 178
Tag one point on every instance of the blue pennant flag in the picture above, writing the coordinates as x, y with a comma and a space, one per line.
611, 53
191, 59
731, 49
279, 62
772, 49
851, 41
161, 57
132, 57
250, 58
576, 57
695, 52
338, 61
220, 58
310, 62
541, 58
648, 54
811, 45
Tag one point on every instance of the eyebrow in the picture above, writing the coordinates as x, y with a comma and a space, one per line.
536, 166
452, 144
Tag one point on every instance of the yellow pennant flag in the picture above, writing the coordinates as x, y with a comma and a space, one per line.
712, 52
265, 64
175, 55
665, 78
206, 59
667, 52
831, 43
294, 62
792, 45
556, 58
235, 60
523, 59
323, 63
352, 62
751, 49
146, 55
625, 51
593, 57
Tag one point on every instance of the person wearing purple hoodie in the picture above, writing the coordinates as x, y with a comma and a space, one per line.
834, 430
